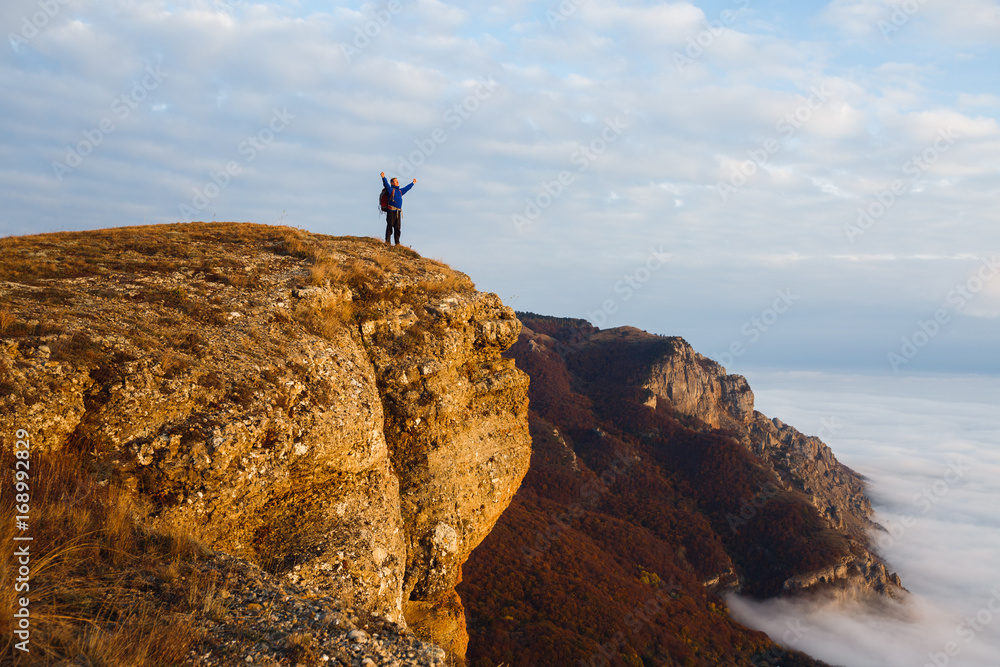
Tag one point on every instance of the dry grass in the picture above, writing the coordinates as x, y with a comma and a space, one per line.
302, 649
91, 562
7, 318
327, 320
377, 275
325, 270
379, 285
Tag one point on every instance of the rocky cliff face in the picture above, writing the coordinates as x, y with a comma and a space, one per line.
681, 379
654, 490
329, 408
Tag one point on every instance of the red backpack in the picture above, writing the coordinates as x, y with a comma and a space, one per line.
383, 201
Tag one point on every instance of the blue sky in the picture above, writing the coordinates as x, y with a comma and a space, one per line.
793, 185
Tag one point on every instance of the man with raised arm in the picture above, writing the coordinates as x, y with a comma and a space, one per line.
394, 209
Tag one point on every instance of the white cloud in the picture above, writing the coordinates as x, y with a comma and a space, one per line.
858, 18
976, 101
927, 445
957, 21
983, 283
667, 24
966, 20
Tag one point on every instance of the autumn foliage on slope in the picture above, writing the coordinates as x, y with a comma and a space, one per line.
617, 546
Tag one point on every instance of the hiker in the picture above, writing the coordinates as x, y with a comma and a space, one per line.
394, 207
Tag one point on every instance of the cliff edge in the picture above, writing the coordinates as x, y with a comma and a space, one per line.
802, 468
333, 410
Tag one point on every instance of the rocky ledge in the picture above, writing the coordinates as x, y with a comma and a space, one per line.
330, 409
695, 385
680, 379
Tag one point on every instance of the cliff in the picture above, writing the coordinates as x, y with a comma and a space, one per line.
655, 489
331, 409
681, 381
693, 385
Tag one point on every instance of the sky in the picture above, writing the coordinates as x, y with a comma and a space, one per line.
928, 446
808, 185
806, 191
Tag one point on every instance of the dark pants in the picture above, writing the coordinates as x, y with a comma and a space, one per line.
393, 221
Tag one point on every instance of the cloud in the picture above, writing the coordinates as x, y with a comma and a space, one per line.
967, 21
746, 102
926, 445
958, 21
983, 286
857, 18
977, 101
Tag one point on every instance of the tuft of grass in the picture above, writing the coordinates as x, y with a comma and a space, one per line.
327, 319
302, 649
176, 296
7, 318
326, 270
78, 349
174, 364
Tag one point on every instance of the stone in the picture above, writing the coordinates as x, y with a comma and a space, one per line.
360, 439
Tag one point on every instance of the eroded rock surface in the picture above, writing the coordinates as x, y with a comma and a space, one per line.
329, 408
680, 379
695, 385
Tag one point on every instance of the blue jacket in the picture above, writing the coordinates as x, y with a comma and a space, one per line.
396, 193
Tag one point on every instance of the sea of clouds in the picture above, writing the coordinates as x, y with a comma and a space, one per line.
930, 448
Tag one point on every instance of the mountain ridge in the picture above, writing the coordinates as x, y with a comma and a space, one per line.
656, 479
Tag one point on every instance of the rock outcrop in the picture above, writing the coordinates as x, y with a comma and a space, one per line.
329, 408
655, 490
684, 380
